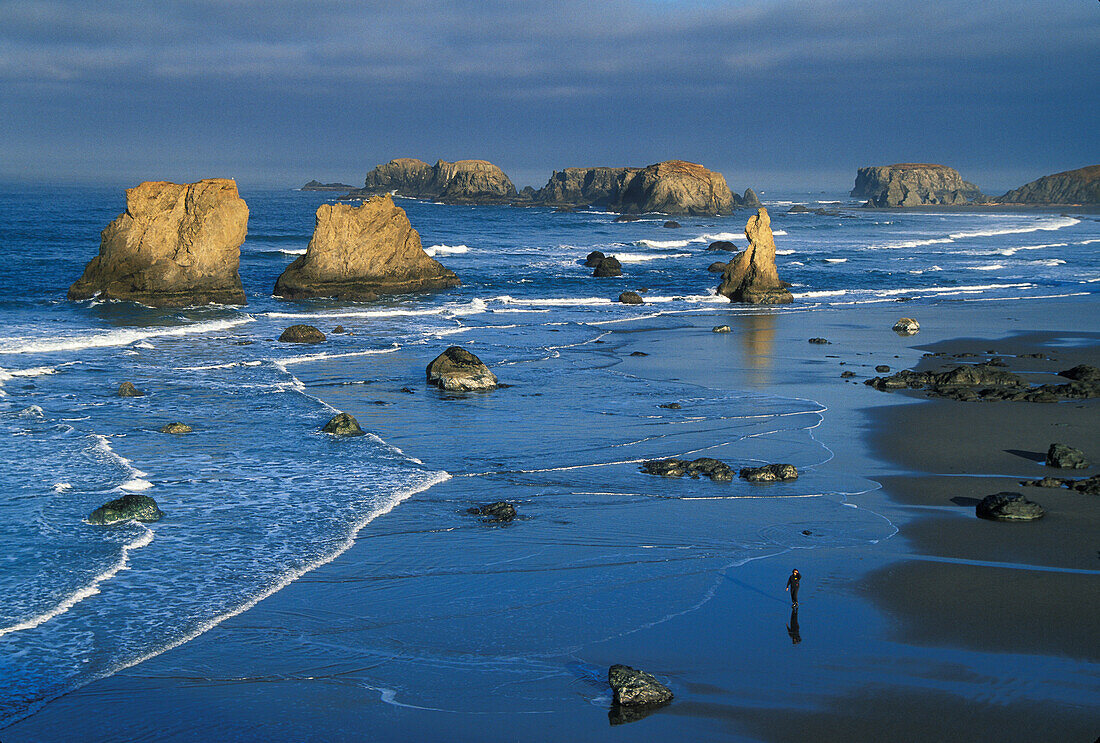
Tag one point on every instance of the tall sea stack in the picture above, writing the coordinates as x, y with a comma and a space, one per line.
175, 245
752, 276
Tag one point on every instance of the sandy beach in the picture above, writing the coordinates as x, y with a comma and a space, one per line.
434, 625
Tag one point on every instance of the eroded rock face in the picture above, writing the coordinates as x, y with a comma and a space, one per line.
462, 182
584, 186
132, 506
675, 187
1081, 186
458, 370
357, 253
175, 245
1008, 507
752, 276
913, 184
631, 687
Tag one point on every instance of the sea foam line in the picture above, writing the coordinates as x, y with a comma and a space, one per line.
476, 306
87, 591
1045, 225
120, 337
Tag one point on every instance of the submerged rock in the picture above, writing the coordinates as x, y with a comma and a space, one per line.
1066, 457
752, 276
913, 184
302, 334
458, 370
631, 687
631, 298
703, 466
594, 259
343, 424
132, 506
175, 245
176, 427
499, 511
769, 473
127, 389
671, 405
1008, 507
608, 267
358, 253
906, 326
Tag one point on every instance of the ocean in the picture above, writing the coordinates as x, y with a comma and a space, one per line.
257, 497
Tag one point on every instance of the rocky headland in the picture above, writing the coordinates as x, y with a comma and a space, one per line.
462, 182
913, 184
359, 252
751, 275
1081, 186
175, 245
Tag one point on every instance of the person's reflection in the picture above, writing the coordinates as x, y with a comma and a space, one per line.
757, 335
792, 628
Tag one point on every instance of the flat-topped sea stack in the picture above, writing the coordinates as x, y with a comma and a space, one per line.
751, 276
175, 245
1072, 187
359, 252
462, 182
913, 184
671, 187
316, 185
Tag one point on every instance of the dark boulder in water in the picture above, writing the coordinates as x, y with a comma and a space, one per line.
458, 370
769, 473
631, 298
705, 466
671, 224
176, 427
1066, 457
1008, 507
725, 245
671, 405
608, 267
302, 334
717, 267
130, 507
821, 342
499, 511
343, 424
127, 389
882, 368
594, 259
631, 687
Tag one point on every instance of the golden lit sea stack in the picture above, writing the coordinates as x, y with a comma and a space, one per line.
359, 252
751, 276
175, 245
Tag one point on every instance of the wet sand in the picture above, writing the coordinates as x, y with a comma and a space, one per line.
890, 640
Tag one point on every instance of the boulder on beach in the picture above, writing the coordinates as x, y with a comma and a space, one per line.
631, 298
696, 468
608, 267
127, 389
175, 245
130, 507
913, 184
717, 267
1008, 507
302, 334
461, 182
343, 424
359, 252
1081, 186
1066, 457
176, 428
631, 687
752, 276
500, 511
458, 370
906, 326
769, 473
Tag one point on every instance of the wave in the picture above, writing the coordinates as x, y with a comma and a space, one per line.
835, 260
642, 257
84, 592
784, 252
663, 243
987, 267
1048, 225
1047, 262
779, 233
476, 306
724, 236
116, 337
323, 356
446, 249
937, 290
555, 302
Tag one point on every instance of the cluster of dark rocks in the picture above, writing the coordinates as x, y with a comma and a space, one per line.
499, 512
717, 470
986, 381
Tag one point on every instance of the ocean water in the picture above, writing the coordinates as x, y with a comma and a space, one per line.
256, 497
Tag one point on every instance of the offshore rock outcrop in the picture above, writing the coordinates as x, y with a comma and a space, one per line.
1081, 186
913, 184
359, 252
583, 186
458, 370
461, 182
752, 276
316, 185
175, 245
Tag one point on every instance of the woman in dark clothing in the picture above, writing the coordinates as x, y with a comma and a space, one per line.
792, 586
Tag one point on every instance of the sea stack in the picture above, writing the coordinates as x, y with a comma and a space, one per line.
1081, 186
357, 253
462, 182
913, 184
752, 276
175, 245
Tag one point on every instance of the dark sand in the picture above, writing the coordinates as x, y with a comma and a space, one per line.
914, 638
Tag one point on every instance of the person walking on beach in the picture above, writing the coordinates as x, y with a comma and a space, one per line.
792, 586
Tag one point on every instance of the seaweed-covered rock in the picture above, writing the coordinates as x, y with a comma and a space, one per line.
1008, 507
458, 370
703, 466
631, 298
769, 473
130, 507
1048, 482
302, 334
608, 267
343, 424
1066, 457
127, 389
499, 511
176, 427
1090, 485
631, 687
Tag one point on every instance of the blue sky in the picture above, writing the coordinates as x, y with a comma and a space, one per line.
775, 94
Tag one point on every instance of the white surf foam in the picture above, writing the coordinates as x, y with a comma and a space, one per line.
1014, 251
784, 252
555, 302
474, 307
283, 363
643, 257
293, 251
114, 337
986, 267
61, 487
446, 250
86, 591
779, 233
835, 260
662, 244
1047, 225
718, 236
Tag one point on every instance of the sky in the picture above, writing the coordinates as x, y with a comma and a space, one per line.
775, 94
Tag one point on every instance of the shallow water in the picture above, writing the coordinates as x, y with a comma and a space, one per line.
257, 496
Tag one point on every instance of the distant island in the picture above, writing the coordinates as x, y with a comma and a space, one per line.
914, 184
318, 186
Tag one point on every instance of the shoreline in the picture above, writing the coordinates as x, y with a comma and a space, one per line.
769, 360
